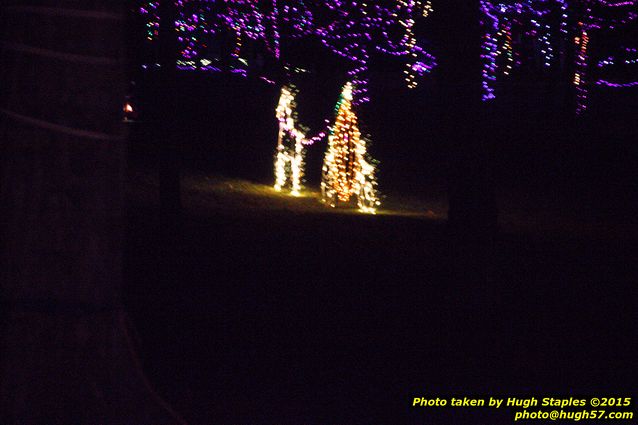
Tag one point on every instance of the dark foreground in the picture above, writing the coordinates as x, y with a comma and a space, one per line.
282, 317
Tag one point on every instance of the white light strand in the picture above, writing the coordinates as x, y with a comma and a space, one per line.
289, 159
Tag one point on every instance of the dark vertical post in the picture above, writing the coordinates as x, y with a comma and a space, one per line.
467, 126
66, 354
164, 122
467, 120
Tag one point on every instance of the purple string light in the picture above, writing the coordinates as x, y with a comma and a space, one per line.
354, 29
350, 29
577, 20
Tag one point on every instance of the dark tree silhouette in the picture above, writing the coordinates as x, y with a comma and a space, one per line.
67, 355
164, 121
466, 121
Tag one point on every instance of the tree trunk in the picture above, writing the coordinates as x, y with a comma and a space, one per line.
467, 122
67, 356
164, 122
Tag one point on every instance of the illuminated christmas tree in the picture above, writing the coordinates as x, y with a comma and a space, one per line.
289, 161
348, 173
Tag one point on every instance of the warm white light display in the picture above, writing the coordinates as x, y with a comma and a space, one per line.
347, 171
289, 160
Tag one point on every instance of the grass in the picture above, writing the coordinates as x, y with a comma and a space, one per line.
540, 216
206, 194
276, 309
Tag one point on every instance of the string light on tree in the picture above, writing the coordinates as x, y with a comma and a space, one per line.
505, 34
582, 42
414, 67
348, 173
599, 16
541, 20
351, 29
630, 58
361, 27
498, 21
150, 12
